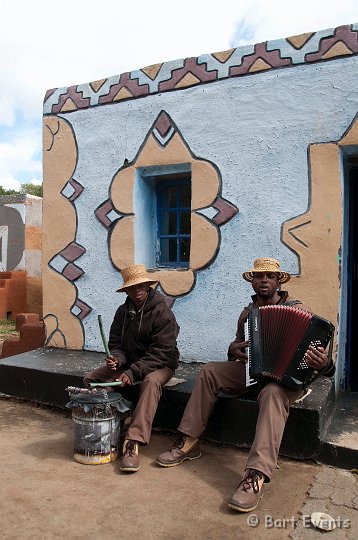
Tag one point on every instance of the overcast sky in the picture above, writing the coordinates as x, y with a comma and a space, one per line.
51, 44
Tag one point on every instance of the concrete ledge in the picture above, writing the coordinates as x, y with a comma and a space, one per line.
43, 374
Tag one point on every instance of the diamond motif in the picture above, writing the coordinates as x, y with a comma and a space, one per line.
80, 309
226, 211
72, 190
72, 252
106, 214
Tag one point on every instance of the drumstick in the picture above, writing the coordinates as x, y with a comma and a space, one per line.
114, 383
100, 324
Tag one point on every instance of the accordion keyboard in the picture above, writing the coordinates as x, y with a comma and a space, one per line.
249, 381
303, 364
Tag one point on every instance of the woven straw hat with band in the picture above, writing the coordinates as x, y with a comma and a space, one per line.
135, 275
267, 265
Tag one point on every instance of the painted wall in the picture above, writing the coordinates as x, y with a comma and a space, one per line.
20, 242
262, 128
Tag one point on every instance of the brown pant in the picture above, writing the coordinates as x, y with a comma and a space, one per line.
274, 405
150, 392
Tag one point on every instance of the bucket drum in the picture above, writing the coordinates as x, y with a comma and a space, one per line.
97, 425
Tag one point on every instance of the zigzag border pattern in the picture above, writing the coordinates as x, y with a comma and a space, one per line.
180, 74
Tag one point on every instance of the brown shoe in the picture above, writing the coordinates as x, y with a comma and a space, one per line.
130, 458
180, 451
248, 493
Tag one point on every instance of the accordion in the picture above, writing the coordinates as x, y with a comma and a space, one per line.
279, 337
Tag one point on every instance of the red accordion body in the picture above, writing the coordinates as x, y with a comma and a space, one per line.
279, 337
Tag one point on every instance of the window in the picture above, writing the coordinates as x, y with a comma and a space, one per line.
174, 225
162, 206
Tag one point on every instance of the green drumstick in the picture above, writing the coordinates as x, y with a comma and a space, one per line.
114, 383
100, 324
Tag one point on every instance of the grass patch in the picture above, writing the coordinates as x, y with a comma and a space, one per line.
8, 326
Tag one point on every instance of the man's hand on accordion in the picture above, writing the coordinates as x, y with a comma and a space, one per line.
316, 357
238, 348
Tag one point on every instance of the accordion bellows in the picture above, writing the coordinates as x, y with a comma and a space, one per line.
279, 337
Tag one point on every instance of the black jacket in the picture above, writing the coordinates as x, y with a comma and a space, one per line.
144, 340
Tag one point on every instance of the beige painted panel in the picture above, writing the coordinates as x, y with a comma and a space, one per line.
205, 188
204, 241
59, 162
59, 225
122, 243
58, 300
56, 340
174, 282
51, 324
154, 154
59, 151
205, 179
205, 184
316, 235
122, 190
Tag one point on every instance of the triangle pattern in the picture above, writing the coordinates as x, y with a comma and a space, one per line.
123, 93
96, 85
338, 49
69, 105
299, 41
152, 71
259, 65
188, 80
223, 56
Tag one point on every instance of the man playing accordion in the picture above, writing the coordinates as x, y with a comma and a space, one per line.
229, 377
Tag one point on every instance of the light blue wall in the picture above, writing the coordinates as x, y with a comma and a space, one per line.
256, 130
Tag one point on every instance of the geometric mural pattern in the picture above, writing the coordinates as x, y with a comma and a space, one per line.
180, 74
72, 190
209, 210
63, 261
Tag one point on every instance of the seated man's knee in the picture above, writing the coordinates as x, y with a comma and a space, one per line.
151, 382
273, 392
207, 369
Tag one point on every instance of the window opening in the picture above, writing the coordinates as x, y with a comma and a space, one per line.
174, 220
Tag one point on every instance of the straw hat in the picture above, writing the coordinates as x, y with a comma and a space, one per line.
267, 265
134, 275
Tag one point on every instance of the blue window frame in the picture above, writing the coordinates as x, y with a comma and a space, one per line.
174, 221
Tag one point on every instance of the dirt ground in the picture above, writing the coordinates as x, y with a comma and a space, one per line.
46, 494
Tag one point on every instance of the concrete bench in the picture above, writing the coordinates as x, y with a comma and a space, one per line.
42, 375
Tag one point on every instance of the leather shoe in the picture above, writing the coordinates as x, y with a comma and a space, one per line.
249, 492
177, 455
130, 457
